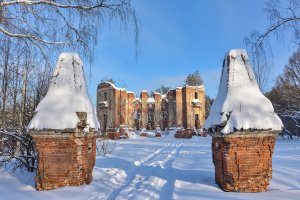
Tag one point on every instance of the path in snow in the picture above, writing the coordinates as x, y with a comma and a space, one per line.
145, 175
161, 168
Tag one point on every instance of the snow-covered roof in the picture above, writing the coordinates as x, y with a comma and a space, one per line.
67, 95
114, 86
196, 87
144, 90
150, 100
240, 104
196, 101
137, 99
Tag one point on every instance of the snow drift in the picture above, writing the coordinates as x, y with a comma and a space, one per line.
240, 105
67, 95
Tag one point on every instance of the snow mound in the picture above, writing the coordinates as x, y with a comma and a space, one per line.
240, 105
67, 95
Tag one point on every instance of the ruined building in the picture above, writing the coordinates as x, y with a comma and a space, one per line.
182, 107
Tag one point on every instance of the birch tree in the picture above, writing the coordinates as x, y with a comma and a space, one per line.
47, 25
284, 18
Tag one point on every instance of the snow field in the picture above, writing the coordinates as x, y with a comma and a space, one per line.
162, 168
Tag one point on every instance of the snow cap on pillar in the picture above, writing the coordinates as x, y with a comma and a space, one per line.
240, 105
67, 99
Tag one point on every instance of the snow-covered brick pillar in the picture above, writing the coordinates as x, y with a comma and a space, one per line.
244, 126
63, 128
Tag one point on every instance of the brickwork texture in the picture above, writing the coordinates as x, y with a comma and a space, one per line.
64, 161
243, 164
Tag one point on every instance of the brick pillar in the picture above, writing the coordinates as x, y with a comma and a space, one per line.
189, 109
171, 99
157, 110
130, 114
124, 107
144, 109
66, 158
179, 107
243, 163
202, 107
117, 109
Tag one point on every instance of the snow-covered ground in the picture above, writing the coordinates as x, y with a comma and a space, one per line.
162, 168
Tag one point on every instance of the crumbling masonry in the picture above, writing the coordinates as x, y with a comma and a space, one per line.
182, 107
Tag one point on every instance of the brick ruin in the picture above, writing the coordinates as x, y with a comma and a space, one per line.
182, 107
64, 160
243, 126
243, 163
64, 128
66, 157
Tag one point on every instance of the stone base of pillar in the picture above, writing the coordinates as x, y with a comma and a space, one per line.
243, 163
64, 160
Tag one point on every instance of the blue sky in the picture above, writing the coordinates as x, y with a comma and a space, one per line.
177, 38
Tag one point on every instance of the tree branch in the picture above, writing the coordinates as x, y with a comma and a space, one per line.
52, 3
261, 37
29, 37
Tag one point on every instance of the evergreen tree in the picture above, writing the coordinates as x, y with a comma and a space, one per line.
194, 79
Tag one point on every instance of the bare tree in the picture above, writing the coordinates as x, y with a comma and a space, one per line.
285, 95
108, 79
18, 152
105, 147
284, 17
31, 33
67, 24
208, 103
163, 89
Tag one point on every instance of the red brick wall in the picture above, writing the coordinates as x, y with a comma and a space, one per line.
243, 164
64, 161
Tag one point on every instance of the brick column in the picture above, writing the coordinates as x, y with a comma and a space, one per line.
157, 110
144, 109
130, 114
124, 107
243, 162
179, 107
66, 158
